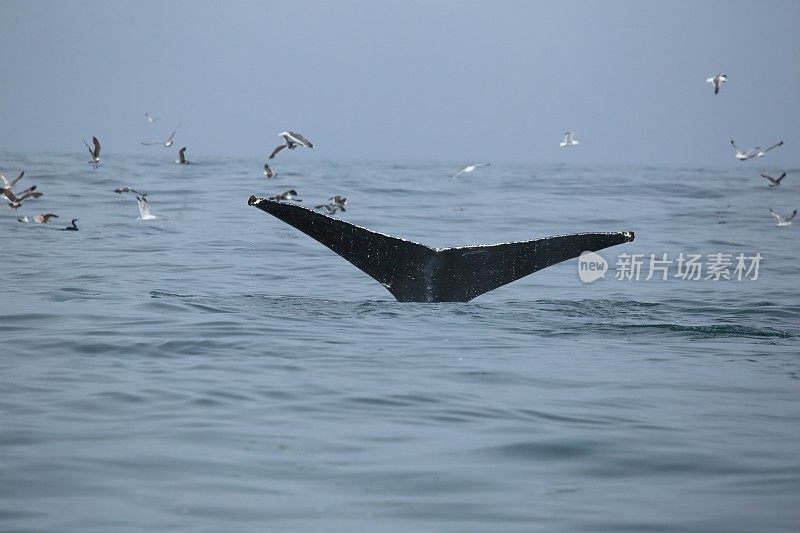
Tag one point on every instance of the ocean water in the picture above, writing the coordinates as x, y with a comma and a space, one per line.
217, 370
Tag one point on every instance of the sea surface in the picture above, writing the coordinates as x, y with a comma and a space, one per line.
217, 370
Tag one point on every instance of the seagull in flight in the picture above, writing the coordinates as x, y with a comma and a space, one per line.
10, 185
762, 152
774, 182
182, 157
334, 203
150, 119
749, 154
330, 208
268, 172
469, 168
783, 220
569, 140
717, 80
144, 208
169, 142
291, 140
94, 152
15, 201
291, 194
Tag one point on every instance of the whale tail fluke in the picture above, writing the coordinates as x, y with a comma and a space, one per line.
413, 272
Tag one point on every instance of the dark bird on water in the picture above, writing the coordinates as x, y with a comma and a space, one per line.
182, 157
72, 226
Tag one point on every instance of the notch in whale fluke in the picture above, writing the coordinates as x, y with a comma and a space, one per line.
413, 272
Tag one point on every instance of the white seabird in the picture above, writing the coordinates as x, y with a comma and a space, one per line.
169, 142
144, 208
742, 155
569, 140
469, 168
291, 140
268, 172
10, 185
150, 119
774, 182
783, 220
717, 80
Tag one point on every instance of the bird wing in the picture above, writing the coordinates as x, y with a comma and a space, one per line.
299, 139
773, 146
181, 155
16, 180
171, 135
778, 180
96, 152
278, 149
5, 182
10, 195
776, 215
790, 217
144, 207
91, 152
770, 178
461, 171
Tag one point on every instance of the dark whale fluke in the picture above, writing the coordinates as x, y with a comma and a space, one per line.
413, 272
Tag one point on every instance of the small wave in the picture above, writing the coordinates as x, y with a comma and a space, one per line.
707, 331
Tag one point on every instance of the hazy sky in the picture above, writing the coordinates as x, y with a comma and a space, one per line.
431, 80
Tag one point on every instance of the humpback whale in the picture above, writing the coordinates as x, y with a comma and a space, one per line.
413, 272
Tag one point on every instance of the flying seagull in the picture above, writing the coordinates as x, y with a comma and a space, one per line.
330, 208
150, 119
762, 152
334, 203
72, 226
717, 80
291, 194
144, 208
469, 168
128, 189
268, 172
169, 142
782, 220
774, 182
44, 218
741, 155
94, 152
10, 185
291, 140
182, 157
569, 140
15, 201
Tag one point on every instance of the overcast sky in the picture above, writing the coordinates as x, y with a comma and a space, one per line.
429, 80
